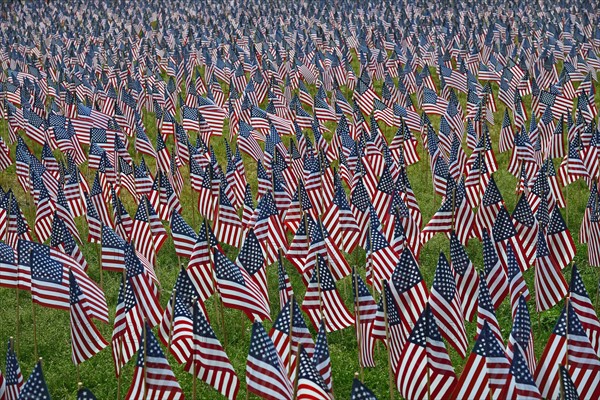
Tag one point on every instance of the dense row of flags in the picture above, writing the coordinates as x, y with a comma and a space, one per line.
273, 83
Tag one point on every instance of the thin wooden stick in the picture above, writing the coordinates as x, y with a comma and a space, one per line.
292, 334
145, 359
357, 313
100, 258
194, 378
387, 338
297, 369
173, 297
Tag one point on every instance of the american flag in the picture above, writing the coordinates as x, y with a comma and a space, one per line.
322, 299
520, 383
425, 369
339, 221
228, 227
568, 344
365, 310
321, 357
288, 333
310, 384
286, 292
494, 272
581, 303
252, 259
9, 276
559, 239
49, 283
128, 326
85, 394
485, 310
113, 250
153, 377
266, 376
486, 370
143, 286
237, 289
569, 391
409, 290
550, 284
516, 283
381, 257
360, 391
445, 304
86, 340
268, 229
208, 360
14, 378
35, 387
467, 280
521, 336
184, 236
526, 227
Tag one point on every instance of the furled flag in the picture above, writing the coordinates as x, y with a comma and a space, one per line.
425, 369
365, 310
252, 259
286, 292
467, 280
145, 290
521, 336
559, 239
486, 370
485, 310
265, 374
128, 326
580, 300
494, 272
14, 378
322, 300
569, 391
237, 289
321, 358
35, 388
550, 284
153, 378
445, 304
208, 360
86, 340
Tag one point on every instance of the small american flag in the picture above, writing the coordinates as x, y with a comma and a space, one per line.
208, 360
266, 376
152, 377
35, 388
581, 303
520, 384
14, 378
424, 360
310, 382
86, 340
486, 369
446, 306
237, 289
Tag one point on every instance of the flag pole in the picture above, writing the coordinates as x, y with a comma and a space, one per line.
174, 296
35, 350
358, 331
18, 306
145, 343
118, 365
291, 332
567, 332
218, 303
100, 257
387, 339
297, 372
194, 378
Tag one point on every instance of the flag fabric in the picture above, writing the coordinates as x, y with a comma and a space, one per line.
237, 289
321, 357
85, 394
310, 382
208, 360
520, 383
365, 310
152, 377
425, 369
445, 304
35, 387
467, 279
322, 299
521, 336
360, 391
14, 378
486, 370
265, 374
581, 303
86, 340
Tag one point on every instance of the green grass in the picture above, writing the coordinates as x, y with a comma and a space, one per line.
52, 326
